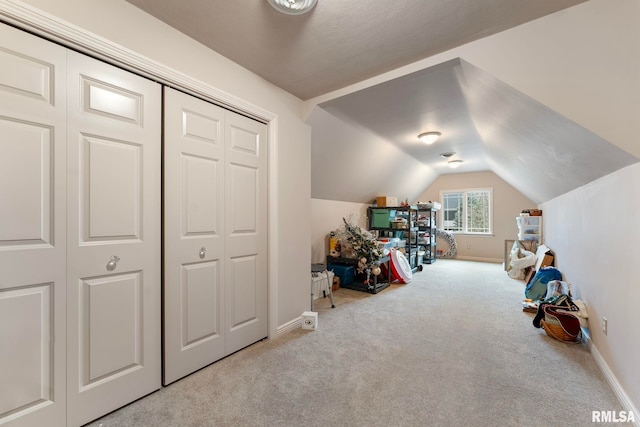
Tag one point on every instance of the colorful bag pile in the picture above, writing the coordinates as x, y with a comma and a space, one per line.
557, 316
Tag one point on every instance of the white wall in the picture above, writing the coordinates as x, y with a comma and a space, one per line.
326, 216
359, 165
582, 62
594, 231
121, 23
507, 204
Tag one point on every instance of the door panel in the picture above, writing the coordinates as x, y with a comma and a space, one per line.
243, 301
246, 236
26, 73
193, 235
32, 230
243, 184
200, 290
26, 157
110, 101
200, 203
114, 155
29, 311
110, 197
111, 326
111, 202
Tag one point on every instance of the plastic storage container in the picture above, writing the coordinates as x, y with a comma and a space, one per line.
380, 218
346, 273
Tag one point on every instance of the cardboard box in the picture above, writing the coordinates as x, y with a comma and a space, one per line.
384, 201
336, 284
547, 260
545, 257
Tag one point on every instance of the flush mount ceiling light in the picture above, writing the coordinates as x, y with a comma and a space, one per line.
429, 137
447, 154
454, 163
293, 7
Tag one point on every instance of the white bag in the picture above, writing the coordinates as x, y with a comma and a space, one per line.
520, 261
557, 287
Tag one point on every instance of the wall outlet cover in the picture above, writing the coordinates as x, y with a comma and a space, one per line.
309, 320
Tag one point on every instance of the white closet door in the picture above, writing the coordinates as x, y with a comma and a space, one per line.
193, 234
215, 240
32, 230
246, 231
114, 243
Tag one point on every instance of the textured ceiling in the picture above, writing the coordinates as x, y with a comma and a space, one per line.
340, 42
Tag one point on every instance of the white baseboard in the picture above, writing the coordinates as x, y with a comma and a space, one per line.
481, 259
613, 381
289, 326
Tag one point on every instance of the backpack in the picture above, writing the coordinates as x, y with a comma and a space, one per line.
537, 288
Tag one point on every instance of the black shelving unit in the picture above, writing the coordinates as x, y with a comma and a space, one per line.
384, 220
427, 224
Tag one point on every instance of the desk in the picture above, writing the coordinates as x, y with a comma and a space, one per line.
321, 281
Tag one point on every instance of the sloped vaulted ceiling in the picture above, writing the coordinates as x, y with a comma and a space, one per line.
365, 143
488, 124
340, 42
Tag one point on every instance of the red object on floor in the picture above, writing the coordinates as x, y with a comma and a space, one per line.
400, 268
388, 272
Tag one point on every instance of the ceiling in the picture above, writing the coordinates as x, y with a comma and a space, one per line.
488, 124
340, 42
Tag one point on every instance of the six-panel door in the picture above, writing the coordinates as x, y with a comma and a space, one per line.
114, 238
246, 231
193, 234
80, 234
32, 230
215, 283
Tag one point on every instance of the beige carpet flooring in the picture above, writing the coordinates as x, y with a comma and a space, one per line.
452, 348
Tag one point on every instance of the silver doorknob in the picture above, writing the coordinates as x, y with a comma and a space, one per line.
203, 252
113, 262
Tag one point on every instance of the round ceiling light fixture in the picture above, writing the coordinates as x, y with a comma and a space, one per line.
429, 137
293, 7
454, 163
447, 154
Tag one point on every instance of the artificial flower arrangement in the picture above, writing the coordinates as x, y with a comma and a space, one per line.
362, 243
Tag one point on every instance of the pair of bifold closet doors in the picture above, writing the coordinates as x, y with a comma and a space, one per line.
133, 240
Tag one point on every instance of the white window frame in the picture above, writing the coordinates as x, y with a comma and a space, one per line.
464, 192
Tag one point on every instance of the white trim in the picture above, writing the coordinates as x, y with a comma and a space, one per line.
289, 326
613, 382
55, 29
272, 227
31, 19
481, 259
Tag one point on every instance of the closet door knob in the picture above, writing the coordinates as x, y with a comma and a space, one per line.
203, 252
113, 262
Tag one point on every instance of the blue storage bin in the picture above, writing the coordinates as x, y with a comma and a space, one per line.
346, 273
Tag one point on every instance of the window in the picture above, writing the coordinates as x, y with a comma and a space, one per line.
467, 211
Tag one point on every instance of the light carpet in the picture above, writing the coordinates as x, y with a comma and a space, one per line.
451, 348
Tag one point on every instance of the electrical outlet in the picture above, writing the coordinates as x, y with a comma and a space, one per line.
604, 325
